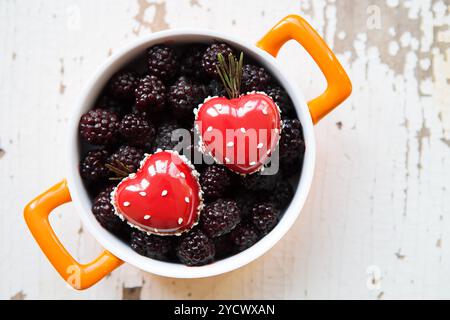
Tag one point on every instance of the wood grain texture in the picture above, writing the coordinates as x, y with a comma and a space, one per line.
376, 223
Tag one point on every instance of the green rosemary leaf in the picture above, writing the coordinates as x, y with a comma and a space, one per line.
230, 73
120, 169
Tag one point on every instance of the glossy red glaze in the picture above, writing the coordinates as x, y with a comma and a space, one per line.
163, 197
240, 133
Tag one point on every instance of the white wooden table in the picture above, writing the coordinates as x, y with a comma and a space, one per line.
377, 221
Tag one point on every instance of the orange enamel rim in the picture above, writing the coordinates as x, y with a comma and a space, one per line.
78, 276
339, 87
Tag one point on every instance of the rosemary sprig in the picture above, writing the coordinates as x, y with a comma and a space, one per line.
230, 72
120, 169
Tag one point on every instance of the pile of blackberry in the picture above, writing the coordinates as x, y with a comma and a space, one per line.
137, 112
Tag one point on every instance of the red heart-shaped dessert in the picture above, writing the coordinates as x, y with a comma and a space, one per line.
240, 133
163, 197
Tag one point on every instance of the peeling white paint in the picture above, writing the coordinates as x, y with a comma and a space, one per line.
341, 35
381, 183
425, 64
392, 3
392, 31
393, 48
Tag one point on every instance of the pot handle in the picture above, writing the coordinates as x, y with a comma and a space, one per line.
79, 276
339, 87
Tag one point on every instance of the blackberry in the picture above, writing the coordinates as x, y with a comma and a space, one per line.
215, 181
104, 212
143, 113
162, 62
290, 167
220, 217
216, 88
265, 217
191, 62
127, 155
244, 236
150, 94
291, 140
92, 166
112, 104
281, 98
122, 85
258, 181
137, 130
186, 144
189, 150
245, 200
183, 96
152, 246
209, 59
224, 246
99, 126
163, 139
282, 195
195, 249
254, 78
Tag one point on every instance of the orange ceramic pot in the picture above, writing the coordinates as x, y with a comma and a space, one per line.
82, 276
